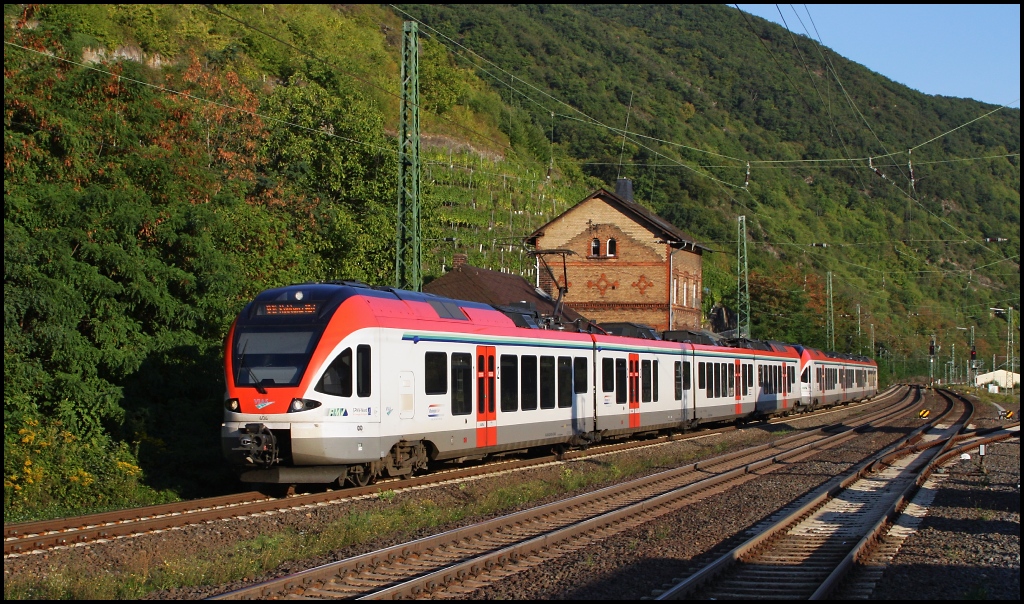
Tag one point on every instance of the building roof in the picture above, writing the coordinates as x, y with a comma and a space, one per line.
466, 282
662, 228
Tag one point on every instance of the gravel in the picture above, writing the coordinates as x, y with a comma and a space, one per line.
633, 563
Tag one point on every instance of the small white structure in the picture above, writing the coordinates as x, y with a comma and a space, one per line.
1001, 378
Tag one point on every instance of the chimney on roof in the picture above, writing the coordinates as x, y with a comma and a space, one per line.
624, 188
458, 260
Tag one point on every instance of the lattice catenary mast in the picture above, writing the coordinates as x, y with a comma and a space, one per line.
742, 289
407, 241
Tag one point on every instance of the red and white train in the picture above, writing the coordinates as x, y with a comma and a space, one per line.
343, 382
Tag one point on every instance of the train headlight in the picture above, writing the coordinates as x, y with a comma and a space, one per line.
302, 404
231, 405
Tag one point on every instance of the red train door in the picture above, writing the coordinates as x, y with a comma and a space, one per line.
634, 391
486, 417
736, 380
785, 384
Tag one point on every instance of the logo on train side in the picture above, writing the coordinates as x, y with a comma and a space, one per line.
434, 411
263, 402
337, 412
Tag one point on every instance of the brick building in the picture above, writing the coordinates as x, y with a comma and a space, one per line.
623, 263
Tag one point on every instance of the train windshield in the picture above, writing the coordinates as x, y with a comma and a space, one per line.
272, 356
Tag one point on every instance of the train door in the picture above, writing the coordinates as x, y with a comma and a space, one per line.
486, 414
634, 391
784, 390
736, 368
689, 386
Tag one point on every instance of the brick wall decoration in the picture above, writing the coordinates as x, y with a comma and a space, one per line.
628, 264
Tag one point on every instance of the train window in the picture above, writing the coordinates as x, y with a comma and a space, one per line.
579, 375
565, 382
679, 379
645, 381
727, 379
509, 378
760, 375
435, 373
481, 408
462, 383
717, 379
743, 380
732, 379
700, 376
654, 367
547, 382
792, 376
686, 375
710, 378
337, 380
607, 375
529, 382
363, 370
805, 377
621, 376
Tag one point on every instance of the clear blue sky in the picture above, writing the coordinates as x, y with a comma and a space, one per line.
962, 50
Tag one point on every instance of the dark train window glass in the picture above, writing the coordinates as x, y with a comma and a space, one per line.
579, 375
547, 382
726, 373
700, 375
711, 373
760, 375
732, 379
645, 380
363, 370
337, 380
620, 380
686, 375
435, 373
481, 403
490, 383
462, 383
607, 375
654, 379
679, 379
717, 379
529, 382
565, 382
509, 383
743, 379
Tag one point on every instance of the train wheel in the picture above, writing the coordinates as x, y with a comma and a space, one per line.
362, 479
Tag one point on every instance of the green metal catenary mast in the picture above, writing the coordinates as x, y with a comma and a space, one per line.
408, 244
742, 290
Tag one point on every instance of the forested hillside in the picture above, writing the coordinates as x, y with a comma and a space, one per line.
162, 164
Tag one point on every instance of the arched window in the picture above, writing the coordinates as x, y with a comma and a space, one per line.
612, 247
595, 247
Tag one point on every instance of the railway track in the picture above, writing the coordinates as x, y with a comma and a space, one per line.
468, 557
808, 553
36, 537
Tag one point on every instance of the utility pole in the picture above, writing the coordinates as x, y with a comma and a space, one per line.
860, 348
408, 244
830, 328
1009, 344
872, 340
742, 289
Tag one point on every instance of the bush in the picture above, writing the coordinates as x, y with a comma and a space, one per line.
51, 472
